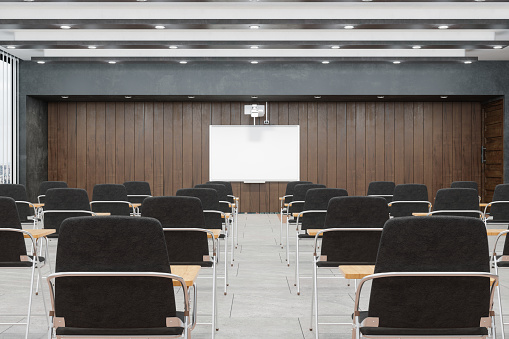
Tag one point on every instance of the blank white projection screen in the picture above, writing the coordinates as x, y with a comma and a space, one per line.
254, 153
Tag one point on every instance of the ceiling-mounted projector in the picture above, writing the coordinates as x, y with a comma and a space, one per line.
254, 110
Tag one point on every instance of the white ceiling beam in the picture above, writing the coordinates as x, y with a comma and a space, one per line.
254, 10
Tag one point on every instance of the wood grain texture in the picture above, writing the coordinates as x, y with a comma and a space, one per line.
342, 144
491, 136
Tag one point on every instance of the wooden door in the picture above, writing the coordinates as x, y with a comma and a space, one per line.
493, 133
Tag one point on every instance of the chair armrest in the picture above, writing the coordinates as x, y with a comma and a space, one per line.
29, 205
493, 203
481, 214
411, 202
295, 202
301, 214
214, 251
34, 248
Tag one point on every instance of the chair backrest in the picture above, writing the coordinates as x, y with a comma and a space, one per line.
137, 188
430, 244
382, 188
12, 244
290, 188
110, 192
64, 199
500, 212
457, 199
227, 184
46, 185
184, 247
409, 192
222, 193
113, 244
299, 194
354, 212
209, 201
318, 199
18, 193
465, 184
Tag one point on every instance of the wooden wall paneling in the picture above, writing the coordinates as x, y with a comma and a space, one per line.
456, 141
408, 175
341, 151
130, 147
121, 142
466, 133
360, 149
110, 142
158, 185
178, 147
312, 159
100, 144
370, 140
71, 144
205, 129
350, 149
428, 149
197, 145
62, 141
237, 111
148, 143
273, 187
245, 190
331, 144
139, 141
418, 153
225, 113
476, 144
322, 144
168, 149
81, 145
448, 126
283, 118
303, 124
52, 141
399, 143
437, 148
493, 141
389, 141
91, 135
380, 141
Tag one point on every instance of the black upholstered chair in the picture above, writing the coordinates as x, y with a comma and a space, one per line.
313, 217
457, 202
465, 184
137, 191
124, 289
46, 185
63, 203
110, 198
409, 198
425, 285
26, 211
296, 206
213, 217
222, 193
186, 237
284, 201
351, 236
384, 189
499, 206
13, 253
236, 204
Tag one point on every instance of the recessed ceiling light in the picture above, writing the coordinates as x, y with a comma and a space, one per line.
41, 62
173, 47
65, 97
443, 27
380, 96
348, 27
325, 62
254, 26
335, 47
443, 97
28, 0
11, 47
141, 0
478, 0
367, 0
254, 47
416, 47
467, 62
128, 97
183, 62
65, 27
498, 47
317, 97
254, 97
254, 62
112, 62
92, 47
191, 96
396, 62
160, 27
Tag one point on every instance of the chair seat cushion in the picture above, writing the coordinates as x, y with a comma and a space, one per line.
200, 263
337, 263
20, 263
306, 236
387, 331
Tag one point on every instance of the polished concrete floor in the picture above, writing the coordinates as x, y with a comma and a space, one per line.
261, 301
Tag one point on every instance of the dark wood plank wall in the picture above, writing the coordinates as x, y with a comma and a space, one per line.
493, 141
343, 144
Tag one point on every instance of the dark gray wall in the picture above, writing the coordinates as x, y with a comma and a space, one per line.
36, 145
238, 78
